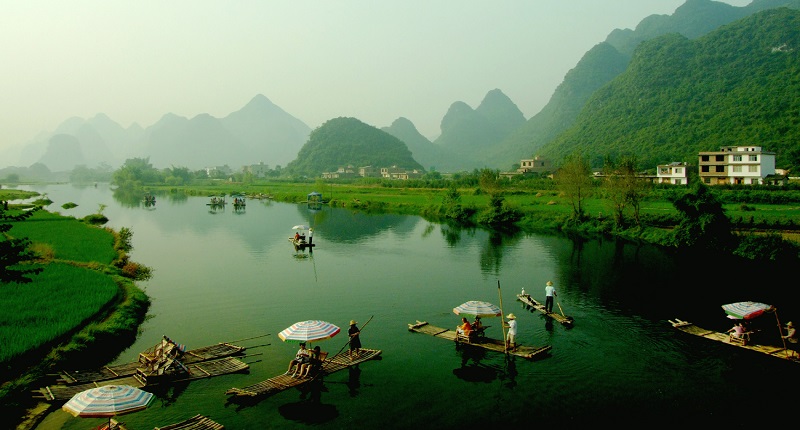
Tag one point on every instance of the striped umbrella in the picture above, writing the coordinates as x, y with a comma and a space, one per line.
746, 310
309, 331
477, 308
107, 401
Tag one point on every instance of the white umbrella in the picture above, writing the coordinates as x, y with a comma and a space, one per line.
300, 227
477, 308
309, 331
107, 401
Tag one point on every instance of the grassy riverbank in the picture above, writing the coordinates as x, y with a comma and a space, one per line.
542, 208
84, 296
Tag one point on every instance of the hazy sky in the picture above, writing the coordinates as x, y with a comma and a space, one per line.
375, 60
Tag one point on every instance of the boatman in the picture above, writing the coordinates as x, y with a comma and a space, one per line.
549, 293
511, 336
310, 233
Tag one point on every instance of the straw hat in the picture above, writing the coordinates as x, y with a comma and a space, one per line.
789, 324
549, 282
511, 316
353, 322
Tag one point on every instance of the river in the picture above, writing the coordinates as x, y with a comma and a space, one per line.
223, 275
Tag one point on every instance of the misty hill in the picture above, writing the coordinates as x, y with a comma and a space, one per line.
342, 142
607, 60
259, 132
423, 150
737, 85
467, 133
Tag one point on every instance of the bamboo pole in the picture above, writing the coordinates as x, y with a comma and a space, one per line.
249, 338
780, 332
502, 318
349, 339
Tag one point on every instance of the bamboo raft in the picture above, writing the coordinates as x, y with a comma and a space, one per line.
280, 383
532, 303
772, 351
197, 422
194, 371
529, 352
211, 352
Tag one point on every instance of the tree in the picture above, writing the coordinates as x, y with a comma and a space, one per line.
703, 223
624, 188
14, 253
574, 179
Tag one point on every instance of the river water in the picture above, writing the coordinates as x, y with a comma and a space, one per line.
224, 275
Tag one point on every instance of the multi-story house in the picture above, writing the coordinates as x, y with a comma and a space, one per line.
675, 173
747, 165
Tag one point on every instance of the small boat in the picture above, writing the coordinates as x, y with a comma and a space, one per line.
299, 238
726, 338
216, 201
523, 351
197, 422
283, 382
532, 303
211, 352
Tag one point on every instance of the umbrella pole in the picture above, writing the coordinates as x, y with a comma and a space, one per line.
502, 317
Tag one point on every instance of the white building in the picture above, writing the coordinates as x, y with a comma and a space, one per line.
675, 173
747, 165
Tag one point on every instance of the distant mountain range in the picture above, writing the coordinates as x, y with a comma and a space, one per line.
624, 96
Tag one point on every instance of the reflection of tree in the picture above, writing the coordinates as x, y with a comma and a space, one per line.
128, 197
451, 234
492, 254
345, 226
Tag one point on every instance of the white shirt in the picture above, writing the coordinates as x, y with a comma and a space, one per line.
512, 327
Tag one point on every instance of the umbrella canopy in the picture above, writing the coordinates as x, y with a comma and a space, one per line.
746, 310
107, 401
309, 331
477, 308
300, 227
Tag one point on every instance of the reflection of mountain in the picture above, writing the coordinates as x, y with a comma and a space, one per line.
346, 226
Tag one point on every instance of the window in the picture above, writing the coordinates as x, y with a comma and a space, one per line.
707, 180
753, 169
720, 169
754, 158
720, 158
737, 168
737, 158
678, 182
704, 158
704, 169
678, 170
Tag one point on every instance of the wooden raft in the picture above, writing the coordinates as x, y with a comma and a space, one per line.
197, 422
772, 351
565, 320
201, 370
482, 342
205, 353
280, 383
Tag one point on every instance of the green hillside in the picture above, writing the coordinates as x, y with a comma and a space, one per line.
735, 86
342, 141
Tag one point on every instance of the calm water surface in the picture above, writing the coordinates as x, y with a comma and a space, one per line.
226, 275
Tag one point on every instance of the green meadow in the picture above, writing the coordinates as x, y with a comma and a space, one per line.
84, 295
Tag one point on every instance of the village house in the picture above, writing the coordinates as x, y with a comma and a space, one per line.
749, 165
675, 173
